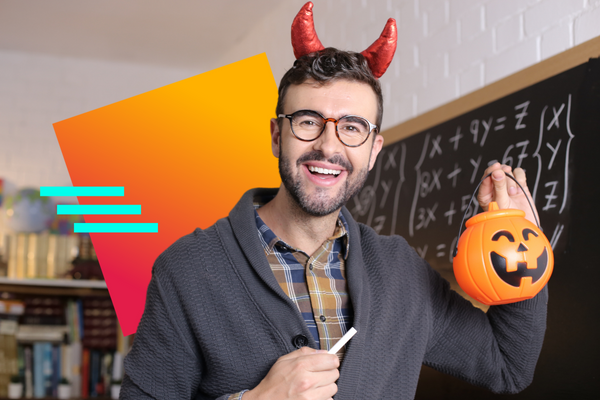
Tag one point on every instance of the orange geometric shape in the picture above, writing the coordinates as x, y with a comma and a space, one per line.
186, 152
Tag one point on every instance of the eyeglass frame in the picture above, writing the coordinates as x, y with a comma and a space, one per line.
325, 121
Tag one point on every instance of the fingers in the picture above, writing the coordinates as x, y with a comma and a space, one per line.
303, 373
500, 188
505, 191
520, 176
493, 185
315, 360
303, 351
326, 392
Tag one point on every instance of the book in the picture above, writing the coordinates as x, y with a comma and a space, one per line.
31, 270
38, 370
12, 255
42, 333
85, 373
76, 368
100, 323
105, 372
21, 255
60, 252
66, 369
21, 360
95, 362
12, 307
44, 311
28, 352
56, 369
8, 354
47, 369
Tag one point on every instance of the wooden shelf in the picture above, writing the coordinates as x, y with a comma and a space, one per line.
54, 287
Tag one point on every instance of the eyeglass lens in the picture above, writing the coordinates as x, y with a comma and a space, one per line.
308, 125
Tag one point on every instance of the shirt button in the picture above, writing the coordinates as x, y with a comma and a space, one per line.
299, 341
310, 267
323, 318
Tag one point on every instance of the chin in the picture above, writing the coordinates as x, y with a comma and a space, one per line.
321, 203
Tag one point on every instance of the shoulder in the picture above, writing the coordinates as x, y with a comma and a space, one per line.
394, 256
189, 254
387, 244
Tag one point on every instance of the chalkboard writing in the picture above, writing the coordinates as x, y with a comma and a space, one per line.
420, 187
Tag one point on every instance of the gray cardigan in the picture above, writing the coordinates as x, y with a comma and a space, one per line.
216, 320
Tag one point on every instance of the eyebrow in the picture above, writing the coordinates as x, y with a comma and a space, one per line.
306, 111
356, 118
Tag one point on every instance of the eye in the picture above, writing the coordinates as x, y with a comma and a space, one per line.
506, 234
353, 125
527, 232
307, 120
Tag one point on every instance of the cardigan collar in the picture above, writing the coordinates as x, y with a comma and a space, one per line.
243, 225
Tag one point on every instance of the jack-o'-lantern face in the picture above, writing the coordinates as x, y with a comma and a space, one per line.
502, 257
527, 258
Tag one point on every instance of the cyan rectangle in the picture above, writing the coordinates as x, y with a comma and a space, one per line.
114, 227
82, 191
92, 209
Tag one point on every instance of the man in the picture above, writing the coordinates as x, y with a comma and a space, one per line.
249, 307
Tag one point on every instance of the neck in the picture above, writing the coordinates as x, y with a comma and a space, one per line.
294, 226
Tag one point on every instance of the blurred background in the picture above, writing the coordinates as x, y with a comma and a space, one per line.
61, 58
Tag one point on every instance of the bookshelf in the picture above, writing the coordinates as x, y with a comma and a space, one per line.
87, 308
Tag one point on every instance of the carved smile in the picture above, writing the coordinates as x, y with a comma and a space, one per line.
514, 278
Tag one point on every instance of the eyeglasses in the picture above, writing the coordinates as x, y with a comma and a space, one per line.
308, 125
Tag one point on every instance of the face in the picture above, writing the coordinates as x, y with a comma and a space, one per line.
322, 175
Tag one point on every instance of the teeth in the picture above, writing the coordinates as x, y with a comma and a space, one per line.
324, 171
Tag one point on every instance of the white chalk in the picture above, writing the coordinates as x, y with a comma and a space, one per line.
342, 341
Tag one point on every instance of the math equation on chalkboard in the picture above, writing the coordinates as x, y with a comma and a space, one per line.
421, 187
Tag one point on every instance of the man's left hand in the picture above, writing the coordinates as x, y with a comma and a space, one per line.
504, 191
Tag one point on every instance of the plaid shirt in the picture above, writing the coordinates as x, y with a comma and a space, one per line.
316, 284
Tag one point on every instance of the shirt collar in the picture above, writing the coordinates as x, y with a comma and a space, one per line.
268, 238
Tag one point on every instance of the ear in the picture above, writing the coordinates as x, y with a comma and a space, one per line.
375, 149
275, 137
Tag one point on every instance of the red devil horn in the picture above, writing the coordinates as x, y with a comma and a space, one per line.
379, 55
304, 36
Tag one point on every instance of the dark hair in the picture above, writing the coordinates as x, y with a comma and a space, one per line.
326, 66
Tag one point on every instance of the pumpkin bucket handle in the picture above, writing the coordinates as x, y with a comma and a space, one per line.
471, 202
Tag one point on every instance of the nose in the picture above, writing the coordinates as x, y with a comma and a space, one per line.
328, 143
522, 248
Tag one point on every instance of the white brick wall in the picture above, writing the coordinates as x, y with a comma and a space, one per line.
587, 25
546, 13
509, 32
516, 58
446, 49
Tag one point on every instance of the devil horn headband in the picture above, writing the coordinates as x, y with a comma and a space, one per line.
379, 55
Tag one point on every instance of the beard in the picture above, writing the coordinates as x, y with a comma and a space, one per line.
320, 203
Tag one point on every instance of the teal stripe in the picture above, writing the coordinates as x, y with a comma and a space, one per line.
82, 191
108, 227
112, 209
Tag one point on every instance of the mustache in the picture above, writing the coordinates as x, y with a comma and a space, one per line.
318, 156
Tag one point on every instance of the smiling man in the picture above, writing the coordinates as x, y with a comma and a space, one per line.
248, 308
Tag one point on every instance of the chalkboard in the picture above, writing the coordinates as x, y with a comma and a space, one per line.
420, 187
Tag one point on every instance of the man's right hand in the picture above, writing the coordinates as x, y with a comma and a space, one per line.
302, 374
